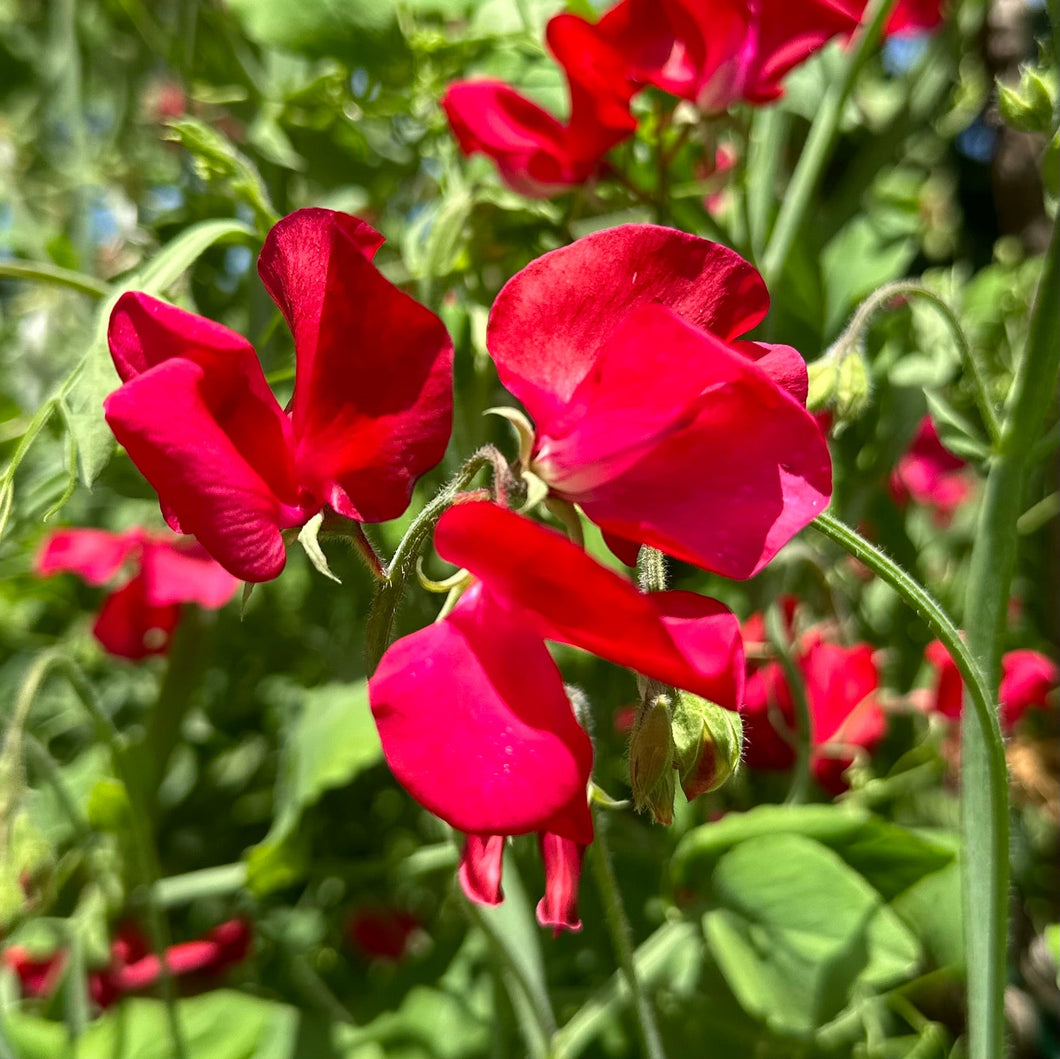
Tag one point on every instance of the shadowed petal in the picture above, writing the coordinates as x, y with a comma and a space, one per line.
372, 404
563, 864
129, 626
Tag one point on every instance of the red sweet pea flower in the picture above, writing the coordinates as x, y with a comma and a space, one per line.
536, 153
472, 712
932, 475
371, 410
649, 413
840, 685
1027, 680
913, 16
138, 619
716, 52
37, 975
382, 933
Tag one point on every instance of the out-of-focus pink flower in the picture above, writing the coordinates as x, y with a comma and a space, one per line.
649, 411
139, 617
1027, 680
371, 410
535, 152
931, 475
37, 975
716, 52
472, 712
840, 684
382, 933
133, 968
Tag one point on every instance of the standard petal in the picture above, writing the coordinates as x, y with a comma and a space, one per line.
481, 866
476, 725
172, 435
629, 402
551, 320
569, 596
730, 489
130, 627
788, 34
180, 571
373, 396
97, 555
784, 365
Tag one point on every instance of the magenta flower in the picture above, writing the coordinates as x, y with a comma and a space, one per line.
931, 475
649, 411
472, 712
371, 410
138, 619
535, 152
841, 685
717, 52
1028, 678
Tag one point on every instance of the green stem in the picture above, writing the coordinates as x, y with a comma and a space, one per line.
800, 776
142, 842
653, 959
907, 288
984, 786
42, 272
651, 569
379, 628
819, 145
767, 135
992, 564
622, 938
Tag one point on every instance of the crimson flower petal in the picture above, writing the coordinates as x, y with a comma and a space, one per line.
481, 866
96, 555
563, 864
182, 572
373, 399
571, 598
167, 420
476, 725
1027, 678
550, 321
129, 626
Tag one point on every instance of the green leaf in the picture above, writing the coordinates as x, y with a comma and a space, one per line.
861, 258
328, 740
932, 908
359, 32
94, 377
890, 857
956, 432
795, 941
218, 161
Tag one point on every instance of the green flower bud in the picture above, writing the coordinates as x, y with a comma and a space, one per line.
823, 377
708, 743
853, 386
651, 760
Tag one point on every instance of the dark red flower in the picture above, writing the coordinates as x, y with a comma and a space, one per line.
37, 975
138, 618
382, 933
472, 711
535, 152
371, 410
716, 52
649, 411
840, 684
931, 475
